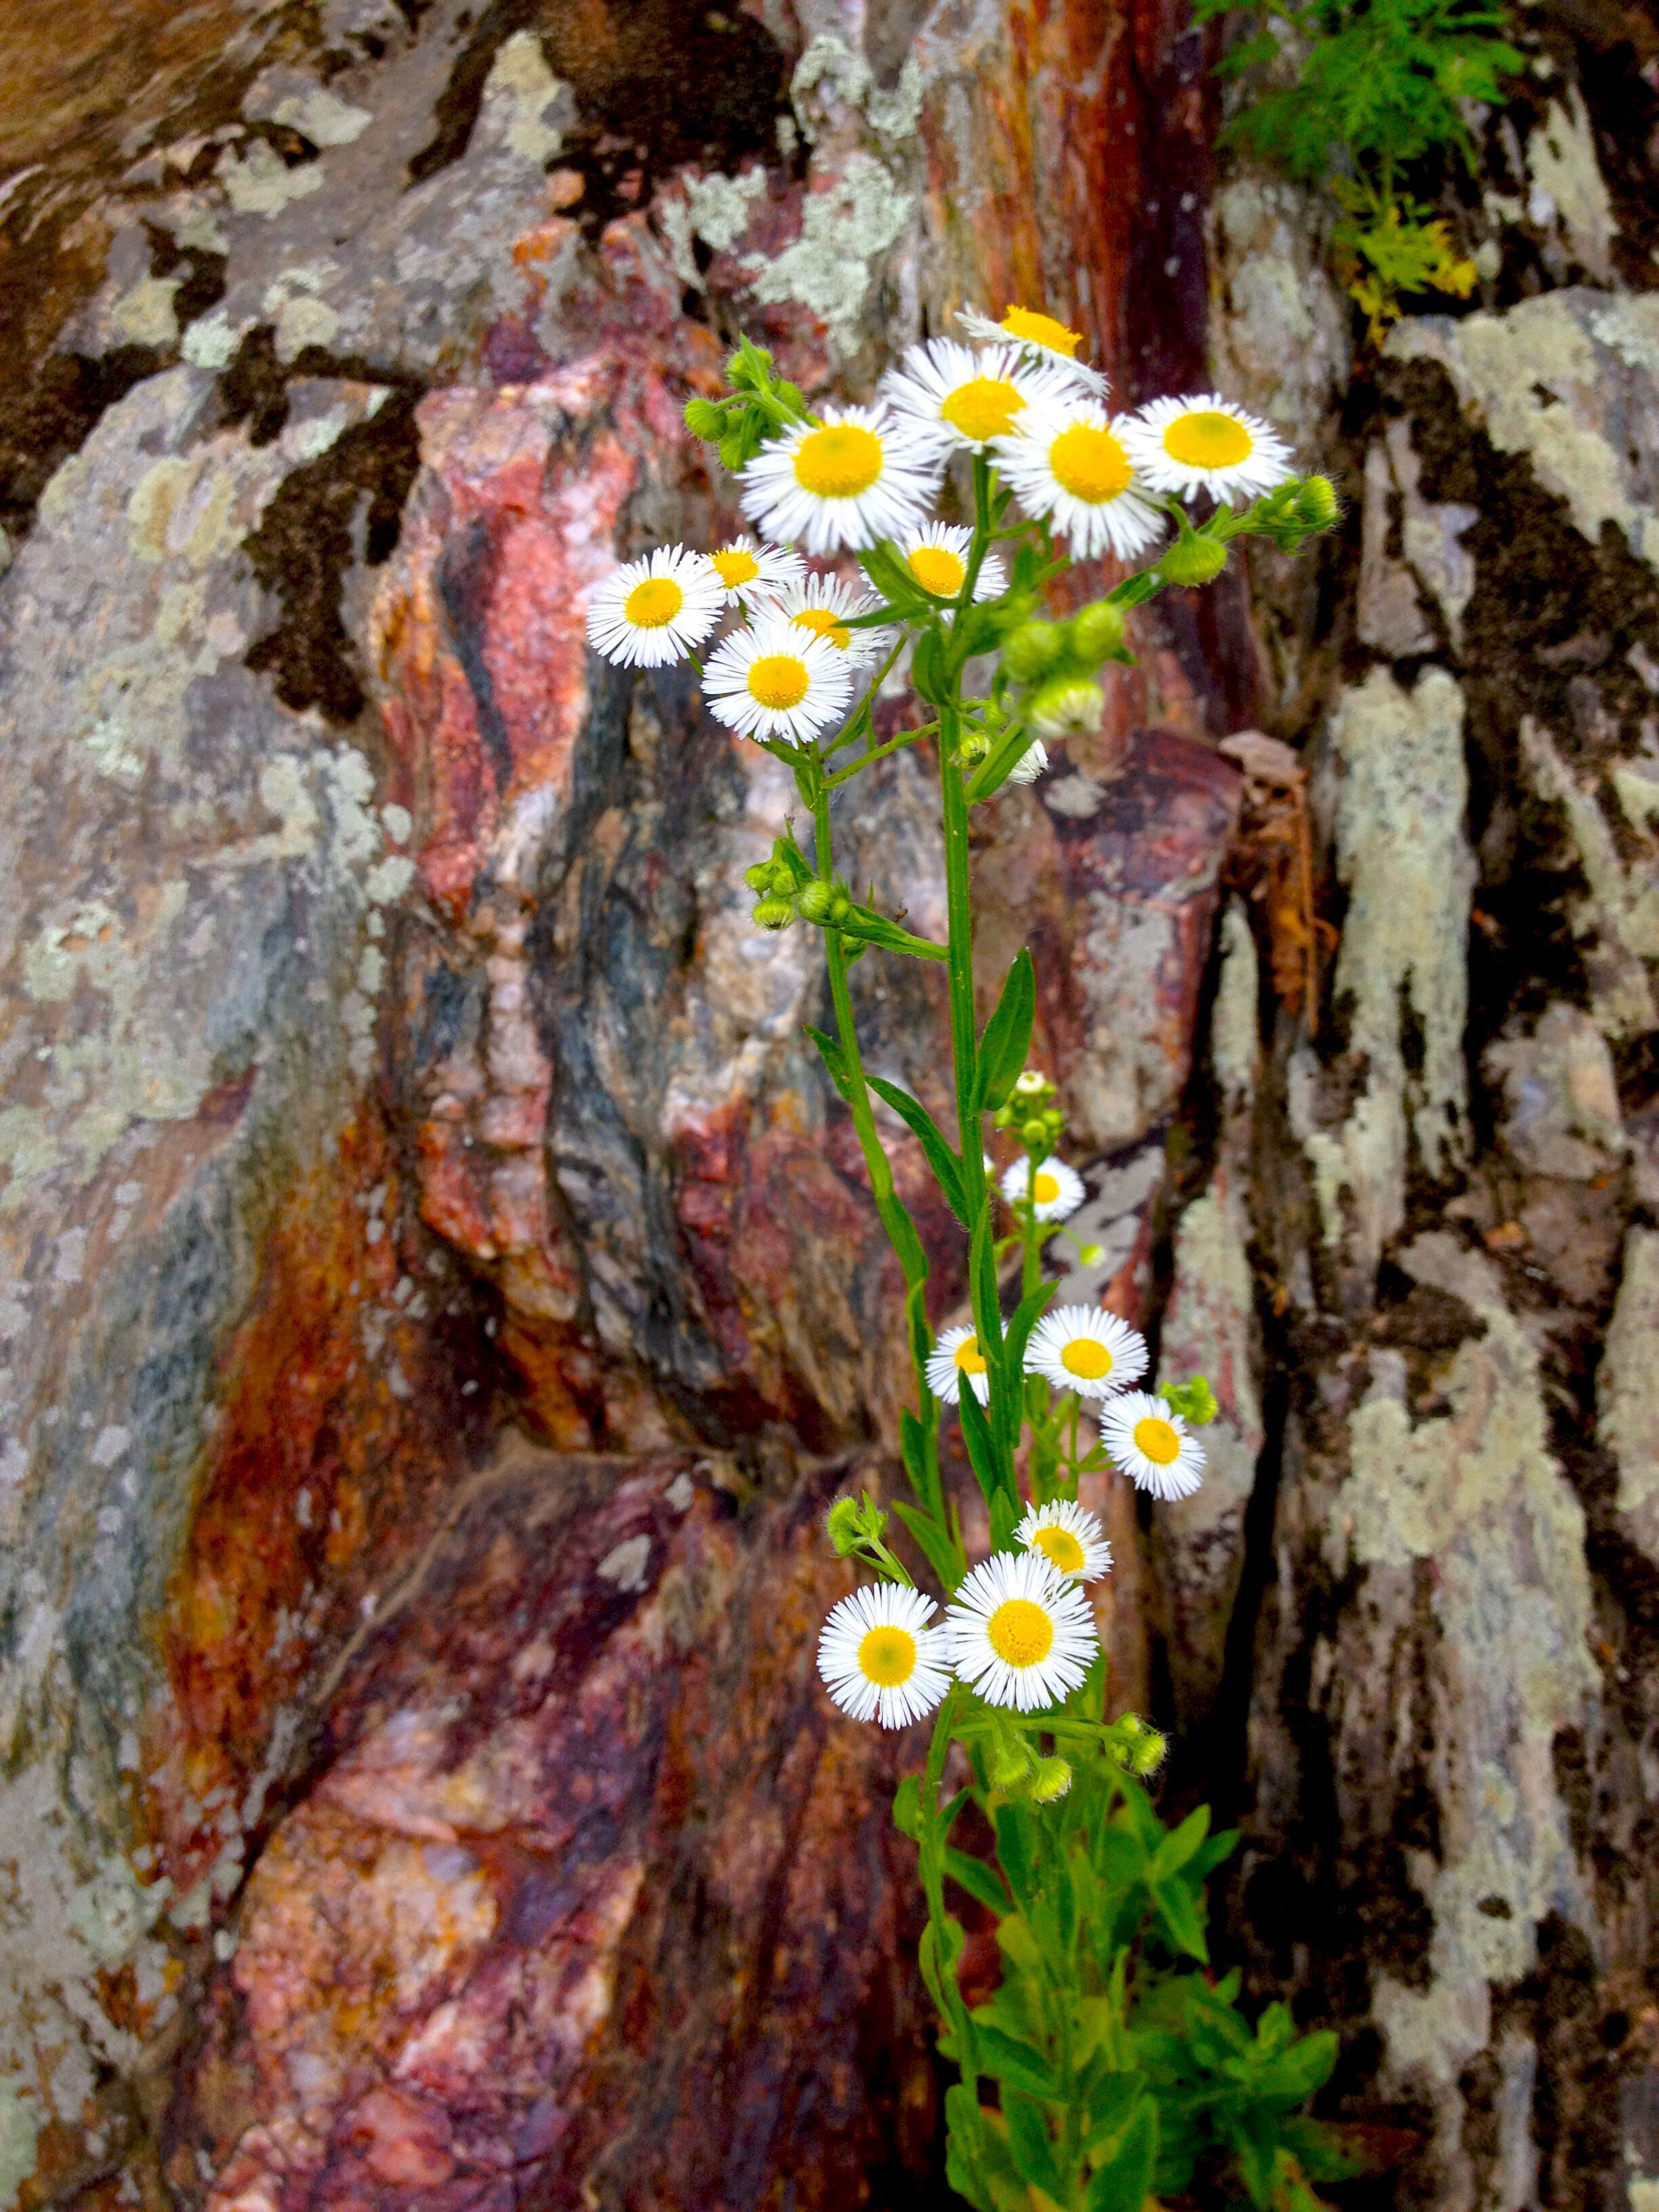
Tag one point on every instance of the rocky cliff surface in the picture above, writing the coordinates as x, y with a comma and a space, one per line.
442, 1294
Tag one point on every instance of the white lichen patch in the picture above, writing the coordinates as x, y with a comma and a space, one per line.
1403, 852
1476, 1492
1617, 919
1280, 325
66, 1918
1561, 1095
715, 209
259, 182
844, 229
1627, 1388
1567, 379
1568, 187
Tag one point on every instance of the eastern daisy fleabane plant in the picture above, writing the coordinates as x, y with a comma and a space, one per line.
1072, 462
652, 612
879, 1658
1209, 445
859, 475
1039, 339
1147, 1439
1071, 1540
967, 396
778, 681
1009, 425
1020, 1632
1085, 1349
957, 1359
748, 569
1052, 1190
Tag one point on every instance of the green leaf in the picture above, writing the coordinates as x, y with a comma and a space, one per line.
981, 1446
867, 927
1025, 1319
929, 677
933, 1542
1122, 2181
1109, 2097
984, 1289
1014, 1857
1007, 1037
1008, 2058
1178, 1911
1179, 1846
964, 2131
980, 1880
1004, 1519
947, 1167
834, 1059
1030, 2140
907, 1808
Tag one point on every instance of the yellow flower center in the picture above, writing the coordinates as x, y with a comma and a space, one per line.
887, 1656
1208, 439
733, 565
986, 406
1045, 1188
839, 461
969, 1357
937, 570
1026, 324
1060, 1547
822, 623
651, 603
1020, 1632
1157, 1441
1090, 463
1087, 1356
778, 680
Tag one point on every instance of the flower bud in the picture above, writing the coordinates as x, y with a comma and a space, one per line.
703, 419
1007, 1763
759, 878
1029, 1083
842, 1525
1050, 1779
840, 906
1090, 1256
816, 901
1065, 706
1095, 632
1031, 649
775, 913
1148, 1754
1194, 560
1317, 504
1034, 1135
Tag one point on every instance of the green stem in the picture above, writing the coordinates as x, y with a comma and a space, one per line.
932, 1852
879, 752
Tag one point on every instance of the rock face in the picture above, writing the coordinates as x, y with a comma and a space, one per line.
441, 1290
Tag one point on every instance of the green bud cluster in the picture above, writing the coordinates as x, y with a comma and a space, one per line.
1139, 1747
760, 403
1031, 1113
1194, 558
1194, 1401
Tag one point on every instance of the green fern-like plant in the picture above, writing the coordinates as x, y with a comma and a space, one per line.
1377, 89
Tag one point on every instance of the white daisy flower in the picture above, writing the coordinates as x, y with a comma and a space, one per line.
879, 1659
1020, 1633
1040, 338
1073, 1541
964, 396
859, 475
1206, 445
822, 604
1030, 764
1084, 1349
1054, 1190
937, 556
650, 612
1148, 1439
957, 1354
773, 680
1072, 464
745, 567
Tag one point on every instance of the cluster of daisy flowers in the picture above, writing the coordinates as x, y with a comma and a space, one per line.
1019, 1631
856, 476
